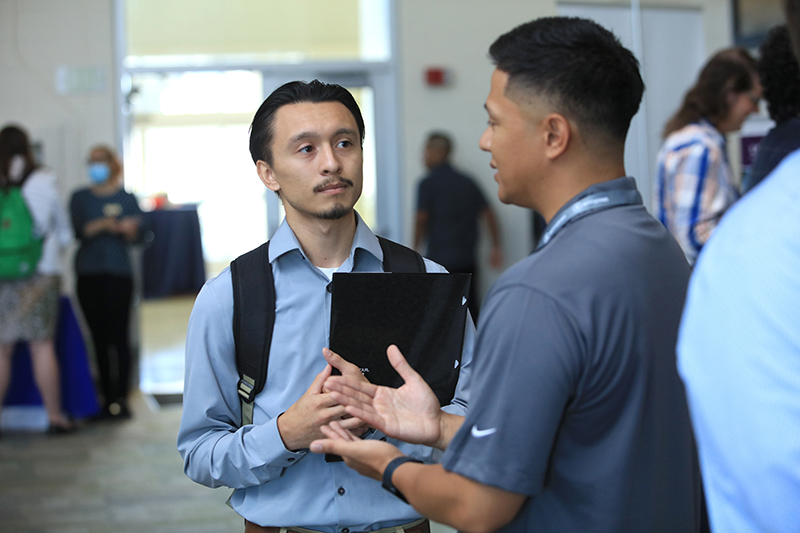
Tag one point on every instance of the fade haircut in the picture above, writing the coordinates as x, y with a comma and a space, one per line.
780, 75
579, 66
262, 129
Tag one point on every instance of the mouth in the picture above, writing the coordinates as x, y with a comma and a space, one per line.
333, 186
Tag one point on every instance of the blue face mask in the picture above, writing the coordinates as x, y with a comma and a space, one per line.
98, 172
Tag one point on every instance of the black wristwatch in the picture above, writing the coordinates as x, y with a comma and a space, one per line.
390, 468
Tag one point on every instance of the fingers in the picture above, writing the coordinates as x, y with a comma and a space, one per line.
319, 381
338, 362
350, 423
350, 386
401, 365
338, 431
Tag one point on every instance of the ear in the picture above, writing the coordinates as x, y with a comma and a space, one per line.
558, 134
267, 176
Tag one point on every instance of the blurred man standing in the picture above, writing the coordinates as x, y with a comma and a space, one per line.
449, 206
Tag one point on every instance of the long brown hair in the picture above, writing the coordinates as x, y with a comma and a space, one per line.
732, 70
14, 141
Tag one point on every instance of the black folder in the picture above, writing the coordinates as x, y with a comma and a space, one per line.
423, 314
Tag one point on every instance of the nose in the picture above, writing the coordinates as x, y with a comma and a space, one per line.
485, 142
329, 162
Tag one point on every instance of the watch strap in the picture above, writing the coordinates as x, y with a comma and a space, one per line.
390, 468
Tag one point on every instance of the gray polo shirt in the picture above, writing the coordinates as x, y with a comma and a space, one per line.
578, 404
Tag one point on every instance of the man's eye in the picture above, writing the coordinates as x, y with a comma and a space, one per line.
307, 149
345, 143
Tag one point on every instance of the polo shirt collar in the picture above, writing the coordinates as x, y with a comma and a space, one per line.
625, 183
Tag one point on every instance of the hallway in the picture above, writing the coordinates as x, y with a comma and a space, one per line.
109, 476
124, 476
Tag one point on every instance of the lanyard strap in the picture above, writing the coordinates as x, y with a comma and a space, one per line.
590, 204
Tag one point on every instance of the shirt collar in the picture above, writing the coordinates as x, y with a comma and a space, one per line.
285, 241
625, 183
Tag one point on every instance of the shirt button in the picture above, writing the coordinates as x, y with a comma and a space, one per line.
291, 459
383, 439
329, 287
346, 530
341, 491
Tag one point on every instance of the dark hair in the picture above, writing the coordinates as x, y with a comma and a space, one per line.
263, 127
780, 75
582, 67
732, 70
792, 10
440, 141
14, 141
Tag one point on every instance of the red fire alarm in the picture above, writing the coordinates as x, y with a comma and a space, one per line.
436, 76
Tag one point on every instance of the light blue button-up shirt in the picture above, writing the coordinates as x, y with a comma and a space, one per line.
739, 355
275, 486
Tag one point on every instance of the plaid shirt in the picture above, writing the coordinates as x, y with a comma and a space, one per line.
694, 185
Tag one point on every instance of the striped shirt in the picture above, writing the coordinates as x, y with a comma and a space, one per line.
695, 186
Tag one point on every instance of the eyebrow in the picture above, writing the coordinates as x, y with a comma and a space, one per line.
303, 135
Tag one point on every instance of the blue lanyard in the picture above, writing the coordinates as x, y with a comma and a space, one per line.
590, 204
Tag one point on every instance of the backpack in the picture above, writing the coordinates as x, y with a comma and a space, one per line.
254, 312
20, 246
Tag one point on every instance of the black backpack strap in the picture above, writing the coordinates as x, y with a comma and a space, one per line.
399, 258
253, 322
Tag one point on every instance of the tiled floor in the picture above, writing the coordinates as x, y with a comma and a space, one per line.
116, 476
124, 477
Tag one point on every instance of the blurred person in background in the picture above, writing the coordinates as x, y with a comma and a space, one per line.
780, 76
107, 220
695, 185
29, 303
449, 206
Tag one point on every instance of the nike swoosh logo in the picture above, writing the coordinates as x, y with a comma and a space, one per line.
478, 433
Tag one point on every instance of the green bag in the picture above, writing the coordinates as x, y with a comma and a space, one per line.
20, 246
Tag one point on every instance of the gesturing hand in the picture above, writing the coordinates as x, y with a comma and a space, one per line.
410, 413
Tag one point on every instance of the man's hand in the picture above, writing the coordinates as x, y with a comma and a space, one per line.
410, 413
367, 457
300, 424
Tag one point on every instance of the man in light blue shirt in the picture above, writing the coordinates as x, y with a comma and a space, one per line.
739, 354
306, 140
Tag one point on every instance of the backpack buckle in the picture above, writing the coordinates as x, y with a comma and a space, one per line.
245, 389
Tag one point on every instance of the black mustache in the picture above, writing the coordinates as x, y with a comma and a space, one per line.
331, 181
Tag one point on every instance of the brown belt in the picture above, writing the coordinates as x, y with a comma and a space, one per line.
413, 527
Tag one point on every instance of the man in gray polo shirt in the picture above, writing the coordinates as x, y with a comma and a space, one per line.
579, 421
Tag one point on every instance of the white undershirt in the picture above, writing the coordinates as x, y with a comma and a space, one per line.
329, 271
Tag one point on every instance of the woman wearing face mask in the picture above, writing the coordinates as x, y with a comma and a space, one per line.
29, 304
106, 220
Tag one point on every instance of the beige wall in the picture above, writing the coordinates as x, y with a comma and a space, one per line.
456, 34
37, 37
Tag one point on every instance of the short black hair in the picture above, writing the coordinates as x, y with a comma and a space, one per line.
263, 127
577, 64
440, 141
780, 75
